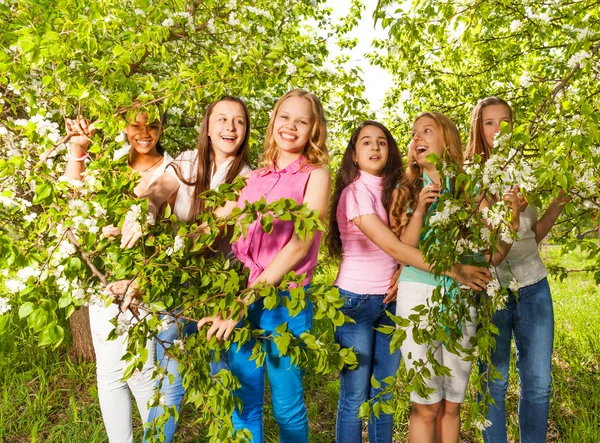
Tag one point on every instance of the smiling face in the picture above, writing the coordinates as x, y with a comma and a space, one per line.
142, 135
226, 128
427, 139
292, 126
371, 150
491, 117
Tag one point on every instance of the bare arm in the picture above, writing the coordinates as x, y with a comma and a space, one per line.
503, 248
157, 194
474, 276
411, 234
542, 227
79, 131
316, 198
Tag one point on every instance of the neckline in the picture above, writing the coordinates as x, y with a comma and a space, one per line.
371, 180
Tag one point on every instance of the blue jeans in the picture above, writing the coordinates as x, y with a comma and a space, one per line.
374, 359
285, 378
531, 322
174, 392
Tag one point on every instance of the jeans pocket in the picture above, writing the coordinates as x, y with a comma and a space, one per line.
352, 304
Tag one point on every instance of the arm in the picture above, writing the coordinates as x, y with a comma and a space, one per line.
79, 132
157, 194
411, 234
503, 248
316, 197
544, 224
473, 276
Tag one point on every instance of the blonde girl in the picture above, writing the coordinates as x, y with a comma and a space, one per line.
435, 418
293, 166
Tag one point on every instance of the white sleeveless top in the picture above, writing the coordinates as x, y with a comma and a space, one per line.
523, 262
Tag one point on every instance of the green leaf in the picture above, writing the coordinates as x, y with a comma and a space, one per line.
26, 309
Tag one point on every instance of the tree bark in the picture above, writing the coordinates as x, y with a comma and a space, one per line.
82, 348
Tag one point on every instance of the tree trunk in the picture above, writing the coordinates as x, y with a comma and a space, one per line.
82, 348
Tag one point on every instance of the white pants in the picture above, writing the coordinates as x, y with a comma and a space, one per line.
453, 387
113, 393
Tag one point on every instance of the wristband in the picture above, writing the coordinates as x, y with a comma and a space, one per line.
77, 159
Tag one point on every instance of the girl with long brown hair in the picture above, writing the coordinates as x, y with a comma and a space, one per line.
222, 154
360, 234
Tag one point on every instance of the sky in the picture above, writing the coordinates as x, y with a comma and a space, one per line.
377, 81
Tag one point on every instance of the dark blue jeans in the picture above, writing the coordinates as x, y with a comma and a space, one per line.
531, 322
374, 359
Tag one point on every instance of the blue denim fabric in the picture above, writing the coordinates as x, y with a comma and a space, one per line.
285, 378
531, 322
174, 392
374, 358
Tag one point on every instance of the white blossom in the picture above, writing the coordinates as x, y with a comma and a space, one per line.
168, 22
123, 326
514, 286
579, 58
178, 244
493, 287
525, 80
482, 423
291, 69
515, 25
180, 344
4, 305
163, 326
441, 218
14, 286
121, 152
30, 217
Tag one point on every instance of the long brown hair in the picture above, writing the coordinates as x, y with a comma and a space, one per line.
205, 157
348, 173
315, 152
477, 144
412, 181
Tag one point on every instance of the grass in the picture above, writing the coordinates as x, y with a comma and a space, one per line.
45, 398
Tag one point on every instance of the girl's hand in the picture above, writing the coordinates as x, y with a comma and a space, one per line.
128, 291
512, 198
79, 132
111, 231
475, 277
392, 292
221, 327
523, 202
426, 197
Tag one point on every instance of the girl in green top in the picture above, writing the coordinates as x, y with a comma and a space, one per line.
436, 417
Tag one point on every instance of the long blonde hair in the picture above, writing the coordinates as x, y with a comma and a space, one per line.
315, 151
411, 183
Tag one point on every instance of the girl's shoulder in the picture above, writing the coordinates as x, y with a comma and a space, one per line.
187, 156
320, 173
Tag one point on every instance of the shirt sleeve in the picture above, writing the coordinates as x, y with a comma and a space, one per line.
358, 202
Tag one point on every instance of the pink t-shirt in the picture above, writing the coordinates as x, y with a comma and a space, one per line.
365, 268
257, 249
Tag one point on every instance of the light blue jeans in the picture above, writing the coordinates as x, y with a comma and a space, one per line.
285, 378
374, 359
531, 322
174, 392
